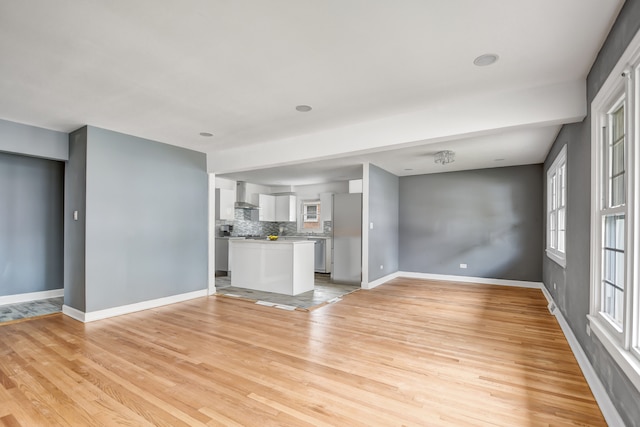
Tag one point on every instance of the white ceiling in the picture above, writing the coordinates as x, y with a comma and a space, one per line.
380, 75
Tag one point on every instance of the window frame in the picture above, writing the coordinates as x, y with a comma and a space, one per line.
556, 201
311, 217
622, 86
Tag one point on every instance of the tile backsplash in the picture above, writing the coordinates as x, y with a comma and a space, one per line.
243, 225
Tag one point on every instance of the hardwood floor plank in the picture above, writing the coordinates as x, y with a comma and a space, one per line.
410, 352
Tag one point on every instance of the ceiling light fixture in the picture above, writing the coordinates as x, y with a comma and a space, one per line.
303, 108
486, 59
206, 134
444, 157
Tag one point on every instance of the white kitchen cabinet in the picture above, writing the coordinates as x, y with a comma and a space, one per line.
225, 200
286, 208
267, 204
326, 206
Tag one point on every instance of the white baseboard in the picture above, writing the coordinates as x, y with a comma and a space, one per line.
130, 308
31, 296
73, 313
611, 415
469, 279
381, 280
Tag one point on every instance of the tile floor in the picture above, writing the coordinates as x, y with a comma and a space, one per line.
24, 310
324, 292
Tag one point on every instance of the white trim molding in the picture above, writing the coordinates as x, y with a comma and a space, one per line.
31, 296
130, 308
614, 317
381, 280
556, 204
73, 313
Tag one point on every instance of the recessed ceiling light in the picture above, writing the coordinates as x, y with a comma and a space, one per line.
206, 134
486, 59
408, 169
303, 108
498, 160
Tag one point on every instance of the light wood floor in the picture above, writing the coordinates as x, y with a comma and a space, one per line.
410, 352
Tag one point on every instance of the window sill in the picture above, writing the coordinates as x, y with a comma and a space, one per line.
561, 261
629, 364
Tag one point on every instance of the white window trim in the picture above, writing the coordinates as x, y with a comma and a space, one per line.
553, 253
314, 217
621, 344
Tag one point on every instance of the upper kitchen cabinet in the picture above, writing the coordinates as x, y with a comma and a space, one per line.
326, 202
286, 208
225, 200
267, 205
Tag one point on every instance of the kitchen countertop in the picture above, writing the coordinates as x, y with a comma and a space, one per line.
279, 241
288, 236
305, 237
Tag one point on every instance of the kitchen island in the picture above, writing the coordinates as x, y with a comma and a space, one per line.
280, 266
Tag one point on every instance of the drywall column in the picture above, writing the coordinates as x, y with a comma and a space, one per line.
75, 201
212, 233
383, 214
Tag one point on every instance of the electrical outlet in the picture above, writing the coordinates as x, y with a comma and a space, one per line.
588, 330
463, 265
381, 266
554, 285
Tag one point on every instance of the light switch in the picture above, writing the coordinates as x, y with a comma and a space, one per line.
370, 226
75, 215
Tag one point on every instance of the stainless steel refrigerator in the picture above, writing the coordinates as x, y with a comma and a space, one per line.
347, 238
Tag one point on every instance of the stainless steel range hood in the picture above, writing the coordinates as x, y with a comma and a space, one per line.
243, 199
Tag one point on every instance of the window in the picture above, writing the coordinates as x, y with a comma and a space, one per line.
557, 208
310, 212
615, 242
311, 216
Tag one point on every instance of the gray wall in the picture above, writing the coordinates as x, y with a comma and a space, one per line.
146, 220
74, 231
572, 293
31, 238
383, 213
33, 141
489, 219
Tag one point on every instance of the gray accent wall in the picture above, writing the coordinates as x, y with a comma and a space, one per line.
33, 141
383, 213
146, 220
31, 236
572, 291
489, 219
